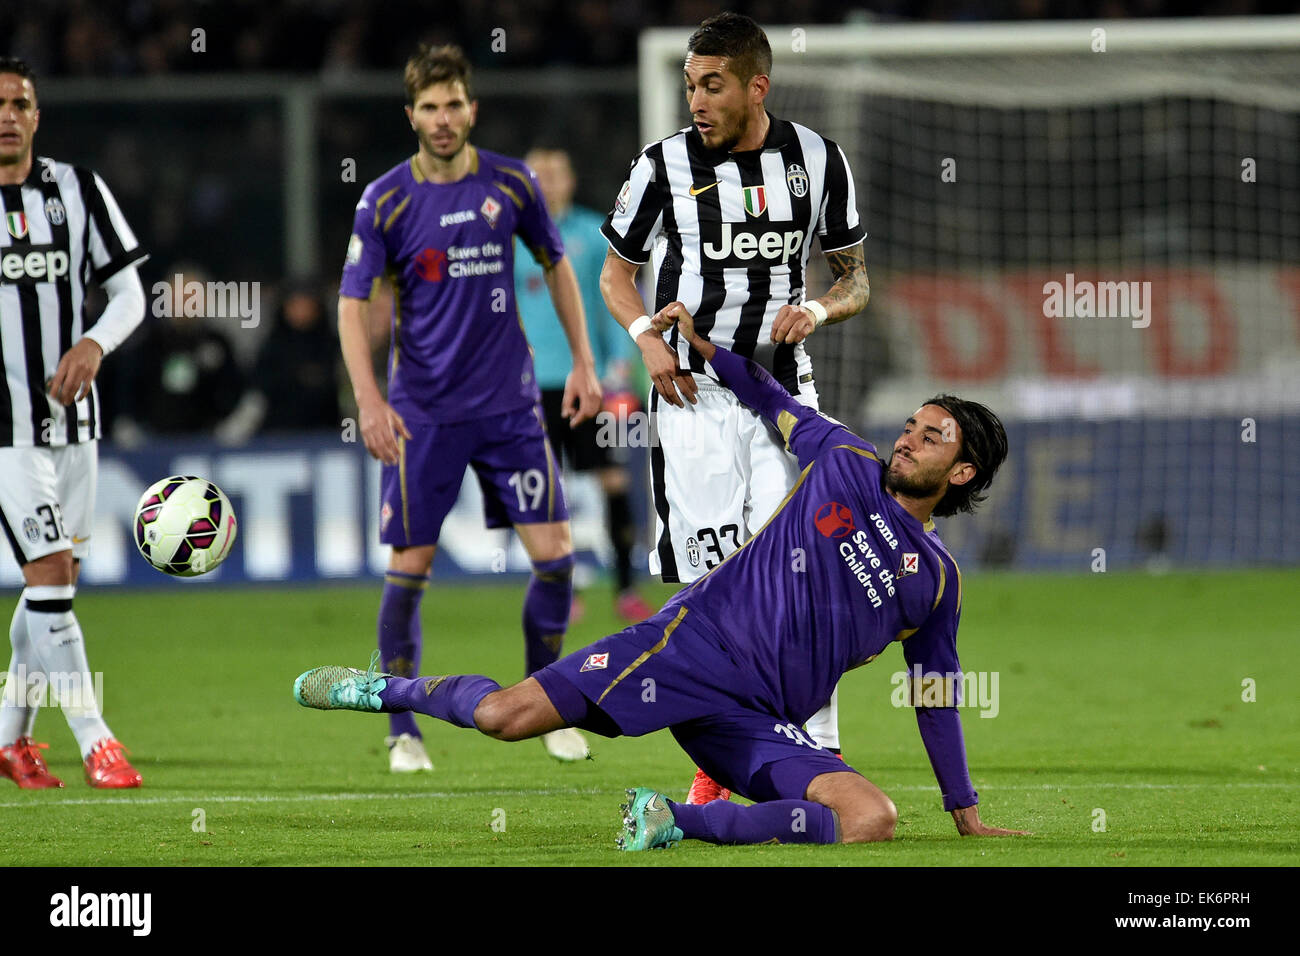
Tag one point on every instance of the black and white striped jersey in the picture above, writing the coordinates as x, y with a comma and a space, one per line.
62, 230
730, 234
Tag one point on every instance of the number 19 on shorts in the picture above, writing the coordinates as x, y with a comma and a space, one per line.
530, 487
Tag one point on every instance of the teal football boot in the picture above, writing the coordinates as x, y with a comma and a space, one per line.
342, 688
648, 823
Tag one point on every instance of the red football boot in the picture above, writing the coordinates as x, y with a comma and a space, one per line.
22, 763
632, 607
108, 769
704, 789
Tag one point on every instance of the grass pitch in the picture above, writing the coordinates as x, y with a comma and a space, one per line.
1120, 705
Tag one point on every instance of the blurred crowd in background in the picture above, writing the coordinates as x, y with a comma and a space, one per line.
183, 376
134, 37
202, 179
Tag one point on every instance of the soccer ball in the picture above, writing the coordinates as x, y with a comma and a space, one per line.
184, 525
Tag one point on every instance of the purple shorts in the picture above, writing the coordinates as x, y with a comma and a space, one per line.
664, 673
510, 455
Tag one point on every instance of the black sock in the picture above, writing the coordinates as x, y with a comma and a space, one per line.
622, 534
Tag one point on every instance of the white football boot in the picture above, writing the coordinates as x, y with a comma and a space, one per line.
566, 744
406, 754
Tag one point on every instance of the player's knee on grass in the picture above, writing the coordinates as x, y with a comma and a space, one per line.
517, 713
872, 823
866, 813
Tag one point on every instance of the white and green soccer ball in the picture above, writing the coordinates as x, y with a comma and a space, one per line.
184, 525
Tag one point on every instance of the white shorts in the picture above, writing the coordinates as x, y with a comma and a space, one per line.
47, 499
718, 472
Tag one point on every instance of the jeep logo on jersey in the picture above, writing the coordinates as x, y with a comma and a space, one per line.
739, 247
428, 264
34, 264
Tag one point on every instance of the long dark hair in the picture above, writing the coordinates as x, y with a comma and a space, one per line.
983, 444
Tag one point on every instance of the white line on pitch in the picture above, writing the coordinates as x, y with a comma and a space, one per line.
570, 791
300, 797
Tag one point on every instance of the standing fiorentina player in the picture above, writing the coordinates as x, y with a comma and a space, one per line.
62, 229
461, 387
739, 660
728, 209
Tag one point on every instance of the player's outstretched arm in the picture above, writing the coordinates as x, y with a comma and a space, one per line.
618, 286
941, 733
752, 383
846, 298
807, 433
582, 386
380, 423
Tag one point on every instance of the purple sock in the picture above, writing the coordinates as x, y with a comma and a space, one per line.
452, 699
785, 821
400, 637
546, 612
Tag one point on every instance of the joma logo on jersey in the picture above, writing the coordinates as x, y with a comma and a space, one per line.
34, 264
742, 246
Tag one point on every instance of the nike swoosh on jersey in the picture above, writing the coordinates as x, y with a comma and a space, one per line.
76, 540
696, 192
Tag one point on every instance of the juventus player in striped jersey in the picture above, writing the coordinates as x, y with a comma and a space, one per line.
728, 209
62, 230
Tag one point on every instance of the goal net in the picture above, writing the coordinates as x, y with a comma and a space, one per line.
1093, 227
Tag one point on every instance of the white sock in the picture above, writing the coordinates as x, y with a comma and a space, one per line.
824, 726
57, 642
16, 718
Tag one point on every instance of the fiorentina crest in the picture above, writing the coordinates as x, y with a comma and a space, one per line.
911, 563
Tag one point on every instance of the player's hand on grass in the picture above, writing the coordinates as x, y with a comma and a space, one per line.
380, 426
582, 395
792, 324
968, 824
77, 369
661, 361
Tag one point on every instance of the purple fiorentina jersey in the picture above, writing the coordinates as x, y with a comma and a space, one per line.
839, 572
458, 348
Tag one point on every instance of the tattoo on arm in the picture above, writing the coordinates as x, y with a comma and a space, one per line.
849, 295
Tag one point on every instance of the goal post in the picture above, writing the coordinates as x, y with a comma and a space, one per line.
1092, 226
